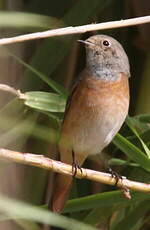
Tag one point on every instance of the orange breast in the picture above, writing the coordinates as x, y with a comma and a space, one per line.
96, 113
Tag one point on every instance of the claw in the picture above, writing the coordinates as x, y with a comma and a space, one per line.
115, 175
75, 166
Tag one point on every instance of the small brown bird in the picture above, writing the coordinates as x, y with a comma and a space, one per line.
96, 108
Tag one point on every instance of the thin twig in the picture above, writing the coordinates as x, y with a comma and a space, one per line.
76, 30
59, 167
12, 90
9, 89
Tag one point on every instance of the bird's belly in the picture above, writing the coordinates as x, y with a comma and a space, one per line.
92, 133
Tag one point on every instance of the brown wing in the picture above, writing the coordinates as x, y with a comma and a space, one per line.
75, 86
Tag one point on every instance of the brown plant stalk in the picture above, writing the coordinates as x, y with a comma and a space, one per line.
76, 30
46, 163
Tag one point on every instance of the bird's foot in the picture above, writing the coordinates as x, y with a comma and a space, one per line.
125, 189
75, 166
115, 175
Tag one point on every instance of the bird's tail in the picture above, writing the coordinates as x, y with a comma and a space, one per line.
62, 185
61, 192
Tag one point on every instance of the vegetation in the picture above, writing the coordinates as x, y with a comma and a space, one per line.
45, 70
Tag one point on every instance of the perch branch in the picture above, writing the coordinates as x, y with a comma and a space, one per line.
76, 30
10, 89
46, 163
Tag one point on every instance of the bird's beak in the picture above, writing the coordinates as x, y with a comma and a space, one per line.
85, 42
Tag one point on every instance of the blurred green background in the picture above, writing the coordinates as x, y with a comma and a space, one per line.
30, 127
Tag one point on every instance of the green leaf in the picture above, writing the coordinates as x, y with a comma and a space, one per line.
144, 136
54, 85
105, 199
132, 217
136, 123
131, 126
132, 151
28, 21
117, 161
25, 127
145, 118
15, 122
12, 122
44, 101
26, 225
18, 209
20, 130
99, 215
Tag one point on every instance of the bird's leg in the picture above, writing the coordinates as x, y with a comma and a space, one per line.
75, 165
125, 189
115, 175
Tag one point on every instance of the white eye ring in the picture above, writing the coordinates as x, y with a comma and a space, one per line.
106, 43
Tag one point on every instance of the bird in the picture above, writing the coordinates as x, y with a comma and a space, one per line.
96, 109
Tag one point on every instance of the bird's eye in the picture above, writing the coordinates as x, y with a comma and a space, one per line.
106, 43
